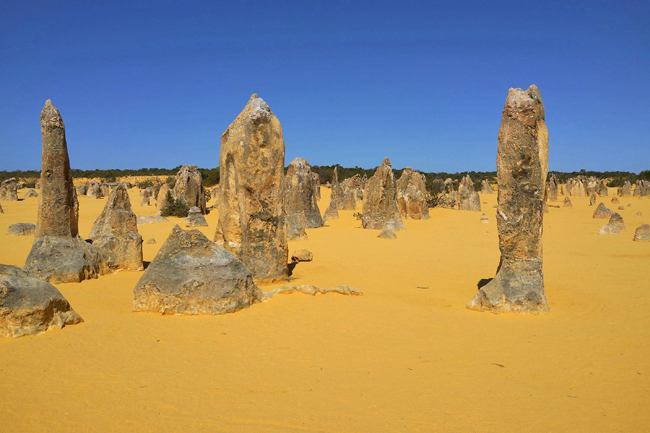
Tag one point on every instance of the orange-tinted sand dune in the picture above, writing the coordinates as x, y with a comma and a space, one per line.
407, 356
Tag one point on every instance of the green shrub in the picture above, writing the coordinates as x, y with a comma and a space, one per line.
176, 208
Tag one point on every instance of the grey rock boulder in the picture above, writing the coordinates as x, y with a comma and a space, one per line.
21, 229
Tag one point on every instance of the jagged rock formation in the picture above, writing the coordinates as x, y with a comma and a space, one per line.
353, 188
387, 234
302, 255
380, 205
30, 306
449, 186
195, 218
94, 190
486, 188
161, 201
602, 188
641, 188
567, 202
58, 254
522, 165
251, 203
115, 234
468, 199
189, 187
9, 190
296, 227
21, 229
191, 275
301, 203
592, 186
617, 220
104, 189
411, 195
31, 193
602, 212
577, 189
642, 233
331, 213
344, 197
626, 189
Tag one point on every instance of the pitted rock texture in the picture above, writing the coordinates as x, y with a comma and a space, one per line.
468, 198
195, 218
58, 254
21, 229
189, 187
94, 190
300, 195
522, 164
642, 233
296, 227
380, 195
251, 204
192, 275
602, 212
302, 255
343, 196
30, 306
411, 195
115, 234
617, 220
9, 190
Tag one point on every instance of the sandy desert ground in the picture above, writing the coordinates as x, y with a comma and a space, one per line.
400, 358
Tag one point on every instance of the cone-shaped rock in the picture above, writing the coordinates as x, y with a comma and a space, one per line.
58, 254
567, 202
189, 187
642, 233
331, 213
300, 194
251, 203
411, 195
192, 275
115, 234
30, 306
617, 220
486, 188
380, 195
345, 198
468, 198
522, 161
602, 188
195, 218
602, 212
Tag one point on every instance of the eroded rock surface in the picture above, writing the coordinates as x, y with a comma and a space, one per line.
21, 229
567, 202
300, 196
148, 219
302, 255
31, 193
343, 196
30, 306
189, 187
486, 188
411, 195
195, 218
468, 198
522, 164
161, 201
380, 200
602, 212
9, 190
387, 234
642, 233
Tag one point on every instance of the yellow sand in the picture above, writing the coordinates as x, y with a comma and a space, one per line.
400, 358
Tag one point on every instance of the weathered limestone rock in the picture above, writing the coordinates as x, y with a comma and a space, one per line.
626, 189
617, 220
411, 195
331, 213
380, 205
115, 234
58, 254
468, 199
387, 234
592, 186
94, 190
316, 183
615, 200
105, 189
345, 198
592, 199
81, 190
642, 233
522, 164
21, 229
296, 225
161, 201
602, 212
146, 197
353, 188
251, 204
151, 241
189, 187
195, 218
484, 219
578, 189
449, 185
191, 275
38, 185
30, 193
567, 202
639, 214
544, 207
148, 219
9, 190
486, 188
300, 196
302, 256
602, 188
621, 208
551, 189
30, 306
608, 229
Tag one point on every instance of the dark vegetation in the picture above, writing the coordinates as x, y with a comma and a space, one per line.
176, 208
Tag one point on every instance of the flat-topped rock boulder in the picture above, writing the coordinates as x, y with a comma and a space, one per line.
302, 255
189, 187
30, 306
195, 218
58, 254
602, 212
301, 202
642, 233
522, 166
21, 229
380, 200
412, 195
192, 275
252, 222
115, 234
148, 219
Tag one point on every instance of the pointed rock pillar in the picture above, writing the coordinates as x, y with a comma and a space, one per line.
380, 200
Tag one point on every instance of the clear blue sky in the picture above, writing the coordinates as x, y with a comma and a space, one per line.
155, 84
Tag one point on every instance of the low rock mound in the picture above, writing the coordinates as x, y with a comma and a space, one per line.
567, 202
642, 233
21, 229
30, 306
148, 219
615, 200
617, 220
63, 260
608, 229
30, 193
195, 218
302, 255
387, 234
151, 241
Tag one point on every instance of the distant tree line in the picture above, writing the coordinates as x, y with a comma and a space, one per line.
325, 172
